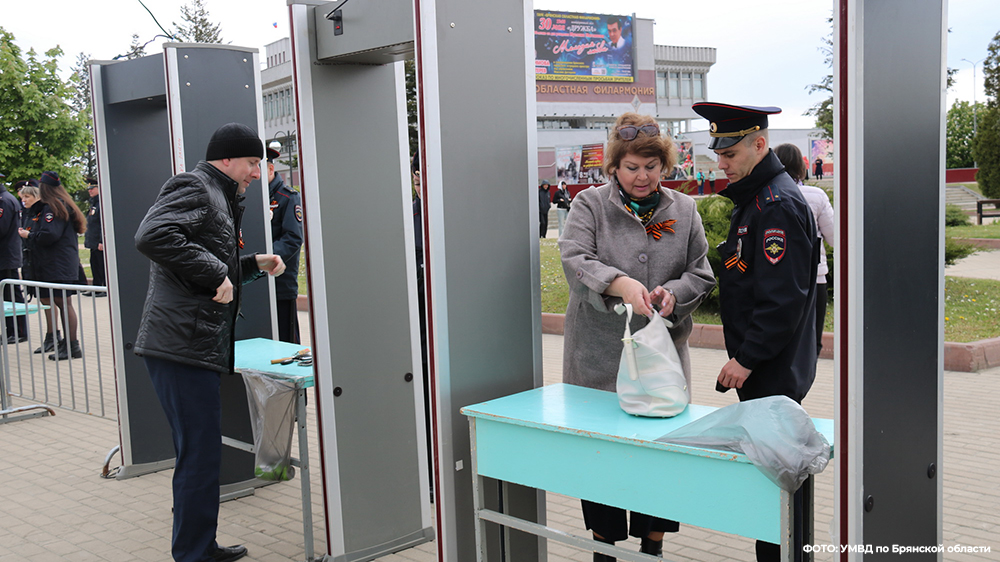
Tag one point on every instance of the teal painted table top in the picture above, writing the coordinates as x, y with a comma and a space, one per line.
257, 354
20, 308
571, 409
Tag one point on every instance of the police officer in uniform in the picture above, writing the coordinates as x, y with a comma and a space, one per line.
767, 286
286, 240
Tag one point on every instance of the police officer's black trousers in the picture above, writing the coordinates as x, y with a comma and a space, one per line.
612, 523
288, 321
191, 401
12, 293
97, 268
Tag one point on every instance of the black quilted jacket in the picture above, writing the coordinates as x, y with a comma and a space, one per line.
191, 234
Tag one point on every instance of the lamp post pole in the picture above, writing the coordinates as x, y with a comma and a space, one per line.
975, 128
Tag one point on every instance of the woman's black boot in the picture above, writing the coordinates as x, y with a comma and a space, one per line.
650, 546
598, 557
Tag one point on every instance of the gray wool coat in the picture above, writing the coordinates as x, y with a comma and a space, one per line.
602, 241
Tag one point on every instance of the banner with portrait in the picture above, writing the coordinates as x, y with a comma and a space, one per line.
821, 149
583, 47
685, 157
568, 163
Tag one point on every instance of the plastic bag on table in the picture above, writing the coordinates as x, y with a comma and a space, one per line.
775, 433
272, 415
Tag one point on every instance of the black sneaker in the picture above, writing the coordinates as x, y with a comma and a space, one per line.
12, 339
63, 353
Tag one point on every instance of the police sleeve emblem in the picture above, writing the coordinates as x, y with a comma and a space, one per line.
774, 244
298, 213
48, 217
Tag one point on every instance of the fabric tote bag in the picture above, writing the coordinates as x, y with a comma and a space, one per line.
650, 378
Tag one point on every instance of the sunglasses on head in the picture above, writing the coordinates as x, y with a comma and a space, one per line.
629, 132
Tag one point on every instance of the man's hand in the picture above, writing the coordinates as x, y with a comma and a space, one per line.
100, 246
632, 292
733, 375
270, 263
224, 293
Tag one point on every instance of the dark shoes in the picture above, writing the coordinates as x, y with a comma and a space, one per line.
64, 353
94, 294
598, 557
11, 339
47, 344
229, 553
651, 547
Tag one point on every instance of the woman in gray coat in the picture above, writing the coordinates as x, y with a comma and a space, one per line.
630, 241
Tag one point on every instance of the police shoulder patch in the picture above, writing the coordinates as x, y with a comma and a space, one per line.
48, 217
1, 211
298, 213
774, 244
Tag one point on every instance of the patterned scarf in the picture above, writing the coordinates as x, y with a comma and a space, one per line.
642, 208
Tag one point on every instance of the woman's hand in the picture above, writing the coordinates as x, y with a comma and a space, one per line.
665, 298
632, 292
23, 233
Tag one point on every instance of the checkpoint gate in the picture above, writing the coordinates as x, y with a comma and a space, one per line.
153, 119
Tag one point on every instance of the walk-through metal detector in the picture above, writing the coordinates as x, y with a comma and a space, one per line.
153, 118
480, 227
890, 73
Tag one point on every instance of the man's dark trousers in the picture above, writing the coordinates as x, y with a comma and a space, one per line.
97, 268
191, 400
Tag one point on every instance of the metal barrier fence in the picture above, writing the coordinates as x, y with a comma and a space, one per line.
81, 384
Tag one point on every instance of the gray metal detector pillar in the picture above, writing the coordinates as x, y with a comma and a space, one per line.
890, 279
154, 117
479, 168
362, 275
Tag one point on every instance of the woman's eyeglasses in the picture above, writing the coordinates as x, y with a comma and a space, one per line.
629, 132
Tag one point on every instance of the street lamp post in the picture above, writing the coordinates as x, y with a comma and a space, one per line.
283, 138
975, 128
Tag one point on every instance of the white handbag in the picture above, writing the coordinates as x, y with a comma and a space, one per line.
650, 377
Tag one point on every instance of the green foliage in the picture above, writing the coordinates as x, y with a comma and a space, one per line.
823, 110
955, 216
196, 27
410, 68
963, 120
990, 231
986, 149
955, 250
991, 71
39, 130
555, 290
715, 212
970, 309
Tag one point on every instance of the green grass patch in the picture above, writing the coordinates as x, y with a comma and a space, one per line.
974, 231
971, 305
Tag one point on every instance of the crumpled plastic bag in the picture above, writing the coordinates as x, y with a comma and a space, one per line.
272, 416
775, 433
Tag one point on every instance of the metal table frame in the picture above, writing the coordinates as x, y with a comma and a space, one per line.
569, 439
7, 413
256, 354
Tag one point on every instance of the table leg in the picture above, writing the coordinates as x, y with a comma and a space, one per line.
478, 500
307, 522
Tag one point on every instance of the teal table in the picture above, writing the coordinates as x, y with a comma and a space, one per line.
256, 354
8, 414
578, 442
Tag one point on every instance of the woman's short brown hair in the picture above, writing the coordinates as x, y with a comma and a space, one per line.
791, 159
659, 146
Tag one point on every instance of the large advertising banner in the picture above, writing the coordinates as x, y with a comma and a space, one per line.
685, 157
583, 47
592, 158
568, 163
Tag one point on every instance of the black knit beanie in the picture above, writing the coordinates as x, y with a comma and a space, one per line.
234, 140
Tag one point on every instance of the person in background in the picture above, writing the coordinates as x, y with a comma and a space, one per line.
700, 178
818, 170
286, 241
94, 239
187, 333
544, 204
767, 285
53, 224
711, 180
562, 200
630, 241
10, 262
822, 211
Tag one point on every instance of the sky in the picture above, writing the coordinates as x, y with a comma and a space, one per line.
767, 53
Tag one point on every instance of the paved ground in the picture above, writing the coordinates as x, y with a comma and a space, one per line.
55, 507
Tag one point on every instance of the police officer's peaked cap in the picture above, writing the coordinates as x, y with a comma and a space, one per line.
728, 124
272, 154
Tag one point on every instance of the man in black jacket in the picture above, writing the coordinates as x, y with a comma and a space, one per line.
544, 204
286, 241
10, 260
186, 336
767, 286
93, 240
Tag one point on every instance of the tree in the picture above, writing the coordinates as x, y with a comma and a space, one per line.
411, 105
961, 121
135, 50
81, 105
986, 146
39, 130
197, 27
